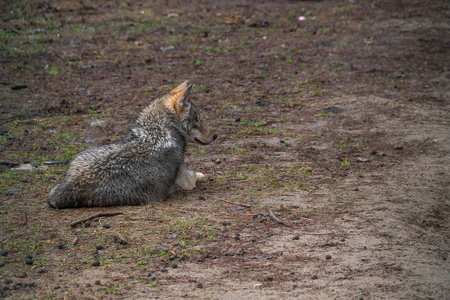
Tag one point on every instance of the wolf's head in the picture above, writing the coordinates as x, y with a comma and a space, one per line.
181, 106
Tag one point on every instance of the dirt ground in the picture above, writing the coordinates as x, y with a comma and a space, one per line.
337, 125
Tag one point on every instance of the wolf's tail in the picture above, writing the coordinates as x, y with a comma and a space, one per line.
59, 197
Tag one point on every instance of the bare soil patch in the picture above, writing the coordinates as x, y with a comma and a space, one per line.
338, 125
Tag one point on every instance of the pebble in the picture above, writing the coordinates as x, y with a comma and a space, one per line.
106, 226
96, 263
99, 247
4, 253
29, 261
373, 152
237, 236
98, 282
314, 277
174, 265
226, 223
237, 119
332, 109
11, 192
328, 256
42, 270
87, 224
203, 198
163, 270
61, 246
2, 264
295, 237
199, 285
21, 274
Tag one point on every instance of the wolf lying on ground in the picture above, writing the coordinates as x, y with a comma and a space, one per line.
146, 166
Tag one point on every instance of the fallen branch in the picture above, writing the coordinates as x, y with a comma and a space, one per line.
105, 214
273, 217
238, 204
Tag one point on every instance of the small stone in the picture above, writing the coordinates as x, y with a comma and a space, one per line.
56, 287
11, 192
21, 274
29, 261
87, 224
282, 141
226, 223
8, 281
4, 253
398, 147
99, 247
242, 251
96, 263
237, 119
199, 285
2, 264
295, 237
163, 270
29, 256
200, 258
314, 277
61, 246
174, 265
237, 236
97, 282
373, 152
332, 109
106, 226
328, 256
203, 198
42, 270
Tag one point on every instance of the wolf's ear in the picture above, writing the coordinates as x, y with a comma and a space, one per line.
178, 98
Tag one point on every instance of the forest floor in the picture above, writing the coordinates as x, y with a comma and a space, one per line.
338, 125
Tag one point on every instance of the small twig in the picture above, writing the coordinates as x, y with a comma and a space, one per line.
273, 217
105, 214
238, 204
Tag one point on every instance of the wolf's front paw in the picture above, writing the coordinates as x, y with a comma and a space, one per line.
200, 177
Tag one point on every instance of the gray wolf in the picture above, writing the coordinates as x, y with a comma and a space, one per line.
146, 166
